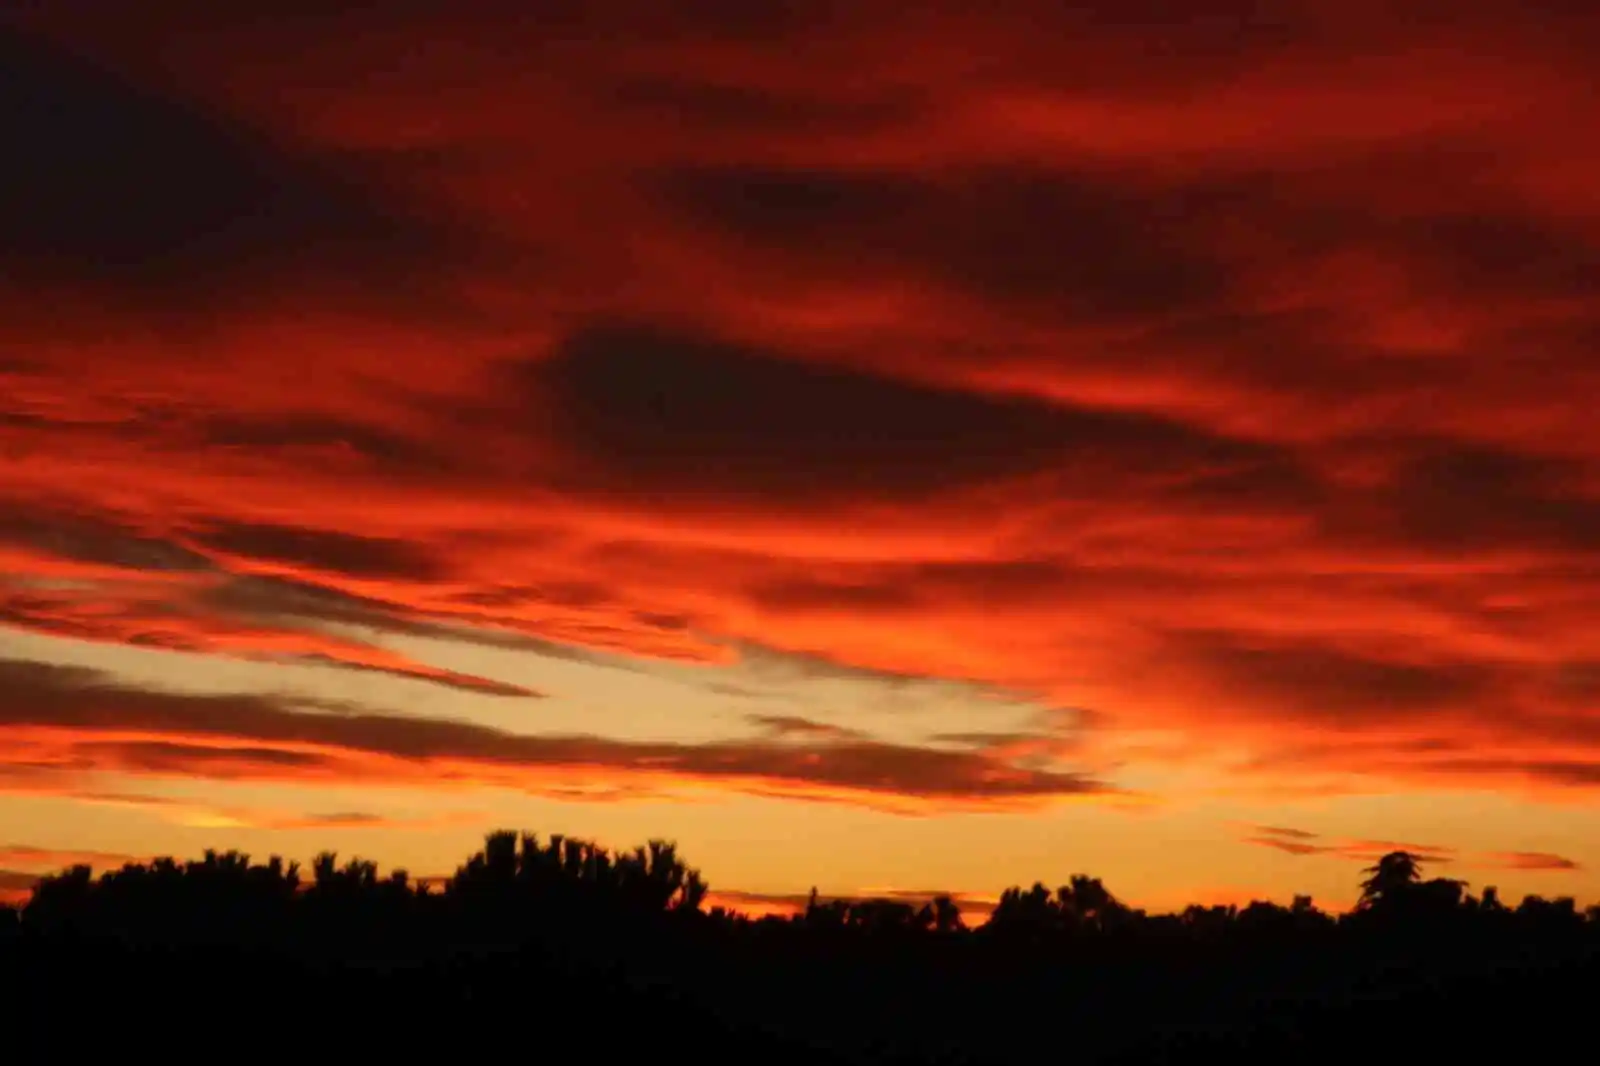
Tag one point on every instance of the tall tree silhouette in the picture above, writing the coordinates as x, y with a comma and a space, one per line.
1394, 876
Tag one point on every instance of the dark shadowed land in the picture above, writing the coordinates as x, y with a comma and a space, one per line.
564, 950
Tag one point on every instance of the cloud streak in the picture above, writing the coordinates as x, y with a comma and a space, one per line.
1542, 861
1301, 842
72, 722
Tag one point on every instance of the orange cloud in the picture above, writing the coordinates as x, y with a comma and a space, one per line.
21, 866
51, 859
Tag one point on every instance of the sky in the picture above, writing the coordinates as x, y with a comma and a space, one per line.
891, 448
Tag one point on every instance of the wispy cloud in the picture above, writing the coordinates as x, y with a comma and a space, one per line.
1533, 860
67, 722
1302, 842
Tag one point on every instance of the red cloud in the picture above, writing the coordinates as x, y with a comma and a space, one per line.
1243, 394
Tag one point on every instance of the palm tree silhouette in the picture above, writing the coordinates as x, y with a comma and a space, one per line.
1393, 876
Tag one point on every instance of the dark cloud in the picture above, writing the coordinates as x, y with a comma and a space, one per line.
800, 593
1293, 847
1099, 242
254, 618
644, 409
31, 855
1453, 498
384, 451
230, 734
792, 726
66, 532
327, 550
1373, 850
483, 686
346, 818
220, 763
267, 595
783, 664
752, 109
116, 184
558, 593
972, 907
68, 615
1533, 860
1286, 832
1505, 253
982, 739
908, 586
263, 596
1575, 772
1335, 687
662, 620
1294, 842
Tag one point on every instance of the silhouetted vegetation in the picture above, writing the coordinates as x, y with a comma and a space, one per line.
579, 950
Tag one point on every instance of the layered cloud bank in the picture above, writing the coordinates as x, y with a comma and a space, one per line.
1225, 378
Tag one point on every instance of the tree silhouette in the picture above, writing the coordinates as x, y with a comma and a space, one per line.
947, 916
561, 914
1393, 877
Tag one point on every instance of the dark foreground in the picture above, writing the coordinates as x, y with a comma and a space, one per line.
662, 997
607, 959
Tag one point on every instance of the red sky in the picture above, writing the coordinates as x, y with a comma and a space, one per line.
884, 447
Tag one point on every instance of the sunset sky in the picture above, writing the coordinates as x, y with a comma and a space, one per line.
891, 447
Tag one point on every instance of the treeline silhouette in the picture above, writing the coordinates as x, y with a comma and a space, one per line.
615, 954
